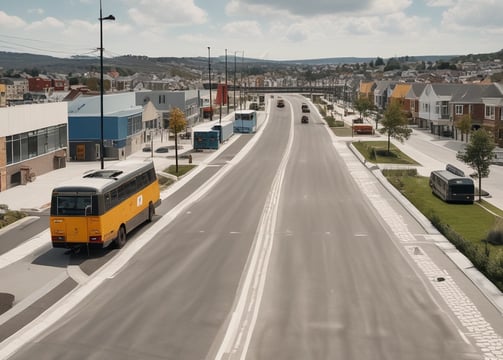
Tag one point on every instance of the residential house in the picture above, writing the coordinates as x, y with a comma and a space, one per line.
434, 103
398, 95
367, 90
60, 83
33, 140
412, 96
39, 84
493, 112
3, 95
15, 89
382, 92
467, 100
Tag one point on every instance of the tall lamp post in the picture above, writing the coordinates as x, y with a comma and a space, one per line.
235, 52
209, 76
102, 145
226, 83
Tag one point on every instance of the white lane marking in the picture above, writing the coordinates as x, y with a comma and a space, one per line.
15, 342
486, 339
238, 335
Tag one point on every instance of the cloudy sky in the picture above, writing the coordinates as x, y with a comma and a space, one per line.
265, 29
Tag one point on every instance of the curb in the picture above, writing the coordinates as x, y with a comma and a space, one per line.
486, 287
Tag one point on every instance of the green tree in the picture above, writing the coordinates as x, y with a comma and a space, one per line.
362, 105
177, 123
465, 125
394, 124
478, 155
392, 64
379, 61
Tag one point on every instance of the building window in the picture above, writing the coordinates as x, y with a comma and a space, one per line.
458, 109
442, 108
30, 144
490, 112
134, 124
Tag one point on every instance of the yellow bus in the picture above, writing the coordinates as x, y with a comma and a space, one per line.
104, 205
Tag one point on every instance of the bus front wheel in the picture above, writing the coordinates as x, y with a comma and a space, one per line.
120, 241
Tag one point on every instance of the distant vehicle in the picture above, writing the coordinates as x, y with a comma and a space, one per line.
452, 187
254, 106
280, 103
245, 121
146, 149
305, 108
304, 120
363, 129
162, 149
103, 206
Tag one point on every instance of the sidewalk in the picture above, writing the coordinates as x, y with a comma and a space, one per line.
445, 153
36, 196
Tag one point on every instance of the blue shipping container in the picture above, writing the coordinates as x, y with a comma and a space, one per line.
206, 139
226, 130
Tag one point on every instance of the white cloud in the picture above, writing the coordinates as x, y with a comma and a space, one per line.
315, 8
242, 29
48, 22
8, 21
440, 3
480, 15
167, 12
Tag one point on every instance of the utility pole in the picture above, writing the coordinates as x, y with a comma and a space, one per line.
209, 76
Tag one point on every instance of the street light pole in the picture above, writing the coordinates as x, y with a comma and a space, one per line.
241, 94
226, 92
209, 76
235, 52
102, 145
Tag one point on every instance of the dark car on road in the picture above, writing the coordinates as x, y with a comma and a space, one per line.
304, 120
162, 149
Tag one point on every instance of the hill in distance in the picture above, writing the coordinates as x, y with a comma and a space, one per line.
184, 66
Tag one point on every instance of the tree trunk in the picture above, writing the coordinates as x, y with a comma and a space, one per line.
176, 151
480, 188
389, 142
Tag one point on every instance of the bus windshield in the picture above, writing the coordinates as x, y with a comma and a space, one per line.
462, 189
72, 205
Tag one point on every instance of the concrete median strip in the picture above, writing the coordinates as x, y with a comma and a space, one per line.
26, 248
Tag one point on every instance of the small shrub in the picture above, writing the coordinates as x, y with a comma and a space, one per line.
494, 268
385, 153
495, 235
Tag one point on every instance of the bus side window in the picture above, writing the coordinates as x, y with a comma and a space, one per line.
108, 201
114, 196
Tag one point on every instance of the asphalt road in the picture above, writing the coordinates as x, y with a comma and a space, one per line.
173, 297
338, 286
330, 276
